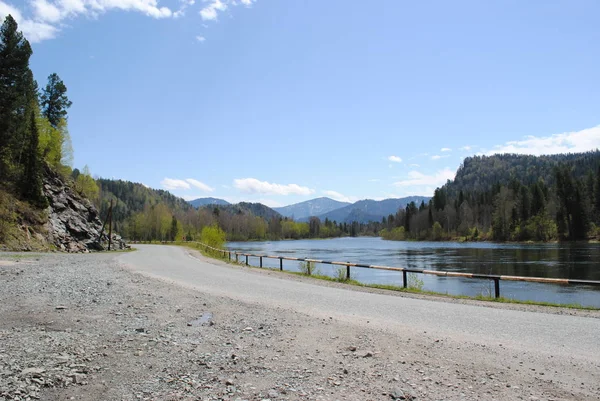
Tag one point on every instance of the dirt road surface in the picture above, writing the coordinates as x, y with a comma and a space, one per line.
166, 323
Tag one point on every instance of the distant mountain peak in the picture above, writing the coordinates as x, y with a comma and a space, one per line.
207, 201
311, 207
367, 210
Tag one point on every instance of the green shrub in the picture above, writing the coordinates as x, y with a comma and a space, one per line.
414, 282
308, 268
340, 274
213, 236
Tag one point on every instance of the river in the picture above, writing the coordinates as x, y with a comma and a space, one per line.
559, 260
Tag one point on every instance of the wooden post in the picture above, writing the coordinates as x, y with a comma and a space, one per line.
497, 287
347, 272
404, 279
246, 260
103, 225
281, 264
260, 261
110, 225
237, 258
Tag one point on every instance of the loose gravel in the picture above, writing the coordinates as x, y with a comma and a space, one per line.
83, 327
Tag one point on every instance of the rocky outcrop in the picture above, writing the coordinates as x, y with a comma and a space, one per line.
74, 224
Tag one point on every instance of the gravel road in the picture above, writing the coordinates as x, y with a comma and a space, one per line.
166, 323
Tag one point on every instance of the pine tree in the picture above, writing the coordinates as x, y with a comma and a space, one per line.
17, 88
597, 196
31, 180
54, 100
173, 233
538, 201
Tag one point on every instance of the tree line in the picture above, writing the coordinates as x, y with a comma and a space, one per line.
519, 206
33, 124
524, 208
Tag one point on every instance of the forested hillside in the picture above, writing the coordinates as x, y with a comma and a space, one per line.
131, 199
510, 198
34, 144
141, 213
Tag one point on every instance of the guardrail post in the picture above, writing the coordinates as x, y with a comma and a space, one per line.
246, 260
497, 287
347, 272
404, 279
308, 267
230, 256
260, 261
237, 258
281, 263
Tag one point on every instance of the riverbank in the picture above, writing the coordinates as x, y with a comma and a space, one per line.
414, 287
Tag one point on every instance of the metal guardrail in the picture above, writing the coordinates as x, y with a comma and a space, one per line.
439, 273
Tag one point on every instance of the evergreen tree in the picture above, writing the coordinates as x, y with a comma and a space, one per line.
538, 200
31, 180
173, 233
16, 89
54, 100
597, 196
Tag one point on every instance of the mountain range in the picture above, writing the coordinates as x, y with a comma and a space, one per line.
367, 210
313, 207
362, 211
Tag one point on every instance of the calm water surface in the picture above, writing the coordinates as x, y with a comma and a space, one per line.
580, 261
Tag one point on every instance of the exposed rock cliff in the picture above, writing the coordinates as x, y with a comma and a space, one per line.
74, 224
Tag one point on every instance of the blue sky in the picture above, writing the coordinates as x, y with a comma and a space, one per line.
282, 101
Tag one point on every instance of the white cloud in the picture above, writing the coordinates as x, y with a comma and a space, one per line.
35, 31
416, 178
200, 38
47, 17
46, 11
436, 157
171, 183
445, 150
395, 159
467, 148
200, 185
337, 196
252, 185
568, 142
6, 9
211, 11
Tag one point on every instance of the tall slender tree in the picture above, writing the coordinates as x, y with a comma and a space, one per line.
54, 100
31, 180
17, 89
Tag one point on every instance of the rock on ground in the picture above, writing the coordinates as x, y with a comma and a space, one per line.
82, 327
